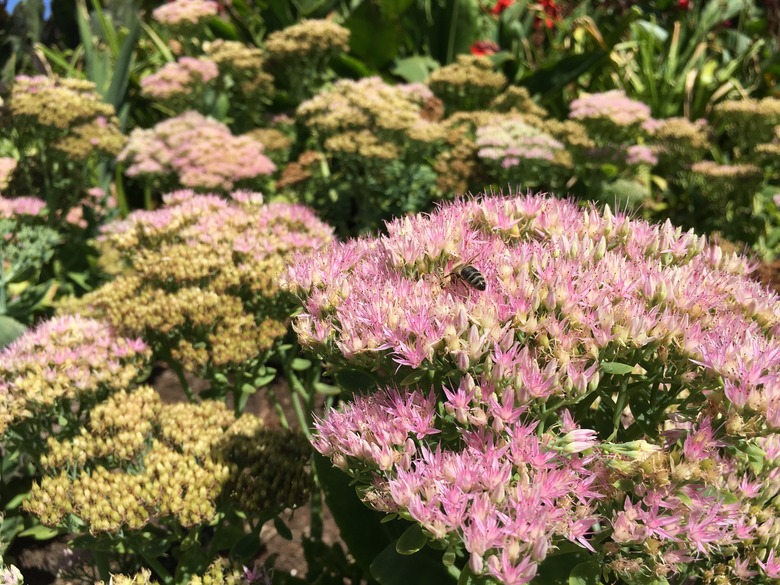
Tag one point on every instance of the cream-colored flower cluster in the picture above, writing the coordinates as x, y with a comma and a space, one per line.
67, 359
218, 573
245, 64
201, 280
468, 84
371, 119
139, 459
309, 41
67, 113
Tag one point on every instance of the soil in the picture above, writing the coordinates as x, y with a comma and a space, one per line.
54, 562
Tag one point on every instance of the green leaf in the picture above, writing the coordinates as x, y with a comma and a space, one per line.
120, 78
246, 547
414, 377
300, 364
40, 532
261, 381
354, 381
616, 368
411, 541
756, 458
248, 389
282, 528
10, 329
17, 500
414, 69
392, 568
326, 389
359, 526
585, 574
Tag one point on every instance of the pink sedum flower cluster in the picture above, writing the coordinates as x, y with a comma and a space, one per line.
614, 378
512, 141
179, 79
182, 13
195, 152
614, 105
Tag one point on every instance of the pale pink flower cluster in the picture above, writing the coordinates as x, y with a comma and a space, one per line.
512, 141
198, 152
65, 358
613, 105
95, 201
10, 207
181, 13
7, 167
244, 224
179, 79
571, 296
639, 154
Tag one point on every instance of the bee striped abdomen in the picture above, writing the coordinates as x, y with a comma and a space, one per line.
473, 277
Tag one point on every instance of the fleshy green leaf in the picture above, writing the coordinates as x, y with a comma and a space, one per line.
616, 368
585, 574
411, 541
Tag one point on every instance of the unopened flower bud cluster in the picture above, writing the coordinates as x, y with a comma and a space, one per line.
139, 460
66, 360
468, 84
201, 283
67, 113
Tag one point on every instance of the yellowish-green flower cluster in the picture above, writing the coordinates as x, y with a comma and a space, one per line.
139, 460
381, 119
726, 183
277, 144
66, 113
67, 360
218, 573
309, 41
299, 56
468, 84
748, 122
517, 100
678, 142
245, 65
201, 280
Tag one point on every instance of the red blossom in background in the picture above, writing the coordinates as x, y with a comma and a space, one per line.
482, 48
683, 4
552, 14
500, 6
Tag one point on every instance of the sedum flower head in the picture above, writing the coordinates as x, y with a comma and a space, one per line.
678, 141
245, 64
201, 279
468, 84
610, 117
185, 14
67, 113
220, 572
612, 105
392, 114
197, 152
748, 122
517, 100
139, 460
180, 81
312, 41
724, 183
513, 143
502, 429
65, 360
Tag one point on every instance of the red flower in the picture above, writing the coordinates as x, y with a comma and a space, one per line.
501, 5
683, 4
481, 48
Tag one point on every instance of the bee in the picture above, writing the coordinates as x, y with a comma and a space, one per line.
472, 277
469, 274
